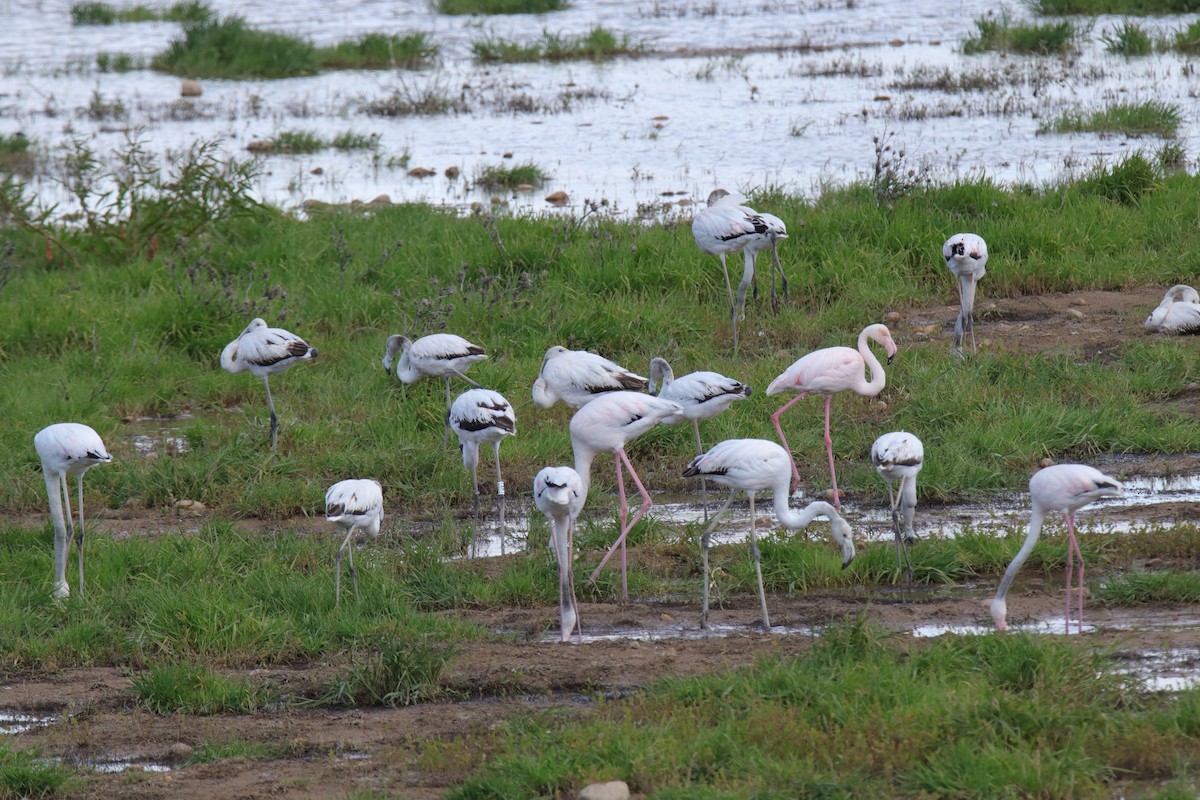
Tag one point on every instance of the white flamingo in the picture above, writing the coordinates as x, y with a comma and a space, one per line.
966, 256
576, 377
1179, 312
1066, 488
899, 456
67, 448
265, 352
558, 492
751, 466
439, 355
480, 416
827, 372
703, 395
606, 424
354, 504
776, 230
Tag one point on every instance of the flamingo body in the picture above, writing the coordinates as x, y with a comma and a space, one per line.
576, 377
482, 416
966, 257
1065, 488
899, 456
264, 351
354, 504
559, 493
67, 449
1179, 312
439, 355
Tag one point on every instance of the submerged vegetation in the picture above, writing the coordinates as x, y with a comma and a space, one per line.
597, 44
500, 6
1003, 34
1149, 118
1055, 8
97, 13
502, 176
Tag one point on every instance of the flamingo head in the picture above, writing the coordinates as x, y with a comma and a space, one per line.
846, 537
883, 336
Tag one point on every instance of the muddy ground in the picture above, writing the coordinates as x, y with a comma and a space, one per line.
336, 753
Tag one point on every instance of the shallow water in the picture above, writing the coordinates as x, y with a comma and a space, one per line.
741, 93
14, 722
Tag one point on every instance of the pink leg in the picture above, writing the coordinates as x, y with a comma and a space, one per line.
837, 498
625, 527
1070, 569
783, 441
1074, 544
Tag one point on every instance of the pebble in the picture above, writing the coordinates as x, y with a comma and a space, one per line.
827, 495
1074, 313
181, 750
891, 317
421, 172
666, 617
452, 172
1078, 301
558, 198
190, 88
1045, 462
613, 790
317, 171
381, 200
260, 146
525, 187
189, 506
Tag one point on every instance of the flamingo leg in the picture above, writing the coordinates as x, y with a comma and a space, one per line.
1073, 548
783, 441
353, 572
475, 486
337, 581
567, 613
66, 553
762, 595
777, 266
500, 495
446, 429
625, 527
704, 540
462, 375
837, 497
62, 542
703, 482
747, 277
79, 543
274, 418
728, 284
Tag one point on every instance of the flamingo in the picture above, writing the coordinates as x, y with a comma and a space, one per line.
702, 394
577, 376
67, 448
754, 465
966, 256
776, 230
439, 355
264, 352
478, 416
899, 456
1179, 312
1066, 488
832, 370
558, 492
606, 424
727, 226
353, 504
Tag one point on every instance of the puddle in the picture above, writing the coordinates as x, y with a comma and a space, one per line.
152, 437
12, 722
675, 633
118, 764
1173, 670
1044, 626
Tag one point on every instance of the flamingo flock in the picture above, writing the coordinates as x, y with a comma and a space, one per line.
613, 406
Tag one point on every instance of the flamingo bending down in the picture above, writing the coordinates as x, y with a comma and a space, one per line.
776, 230
264, 352
353, 504
1066, 488
754, 465
966, 256
1179, 312
606, 424
558, 492
832, 370
67, 448
439, 355
478, 416
576, 377
702, 394
899, 456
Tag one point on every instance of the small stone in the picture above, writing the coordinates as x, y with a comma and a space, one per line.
1078, 301
452, 172
891, 317
883, 98
260, 146
896, 42
558, 198
1046, 462
828, 495
685, 201
660, 118
666, 617
613, 790
181, 750
381, 200
189, 507
525, 187
1074, 313
421, 172
134, 502
190, 88
317, 171
508, 154
880, 405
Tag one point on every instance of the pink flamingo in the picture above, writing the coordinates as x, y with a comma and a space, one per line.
1066, 488
606, 424
828, 371
558, 492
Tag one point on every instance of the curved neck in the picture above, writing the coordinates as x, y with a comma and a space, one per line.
228, 360
795, 520
1031, 538
878, 379
584, 456
542, 395
660, 372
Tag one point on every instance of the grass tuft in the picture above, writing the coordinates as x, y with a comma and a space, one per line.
379, 51
1149, 118
297, 142
24, 773
500, 6
502, 176
1126, 182
195, 689
597, 44
1001, 33
106, 14
1128, 39
1056, 8
396, 671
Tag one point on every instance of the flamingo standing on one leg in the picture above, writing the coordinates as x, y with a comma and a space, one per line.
439, 355
558, 492
754, 465
67, 448
832, 370
702, 394
352, 505
1179, 312
478, 416
606, 424
966, 255
1066, 488
899, 456
264, 352
576, 377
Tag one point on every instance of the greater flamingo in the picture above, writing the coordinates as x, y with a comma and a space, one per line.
480, 416
577, 376
558, 492
352, 505
606, 424
776, 230
1179, 312
832, 370
67, 448
264, 352
966, 256
439, 355
1066, 488
899, 456
751, 466
702, 394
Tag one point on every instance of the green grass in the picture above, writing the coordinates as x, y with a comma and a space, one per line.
597, 44
502, 176
397, 671
1128, 39
1149, 587
118, 62
219, 750
352, 140
379, 51
500, 6
23, 773
1054, 8
297, 142
1013, 716
1147, 118
1186, 41
1001, 33
195, 689
107, 14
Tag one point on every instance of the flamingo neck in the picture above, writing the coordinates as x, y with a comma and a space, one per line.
541, 394
1031, 539
878, 378
584, 456
795, 520
229, 361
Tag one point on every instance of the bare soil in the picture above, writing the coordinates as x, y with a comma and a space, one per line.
334, 753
